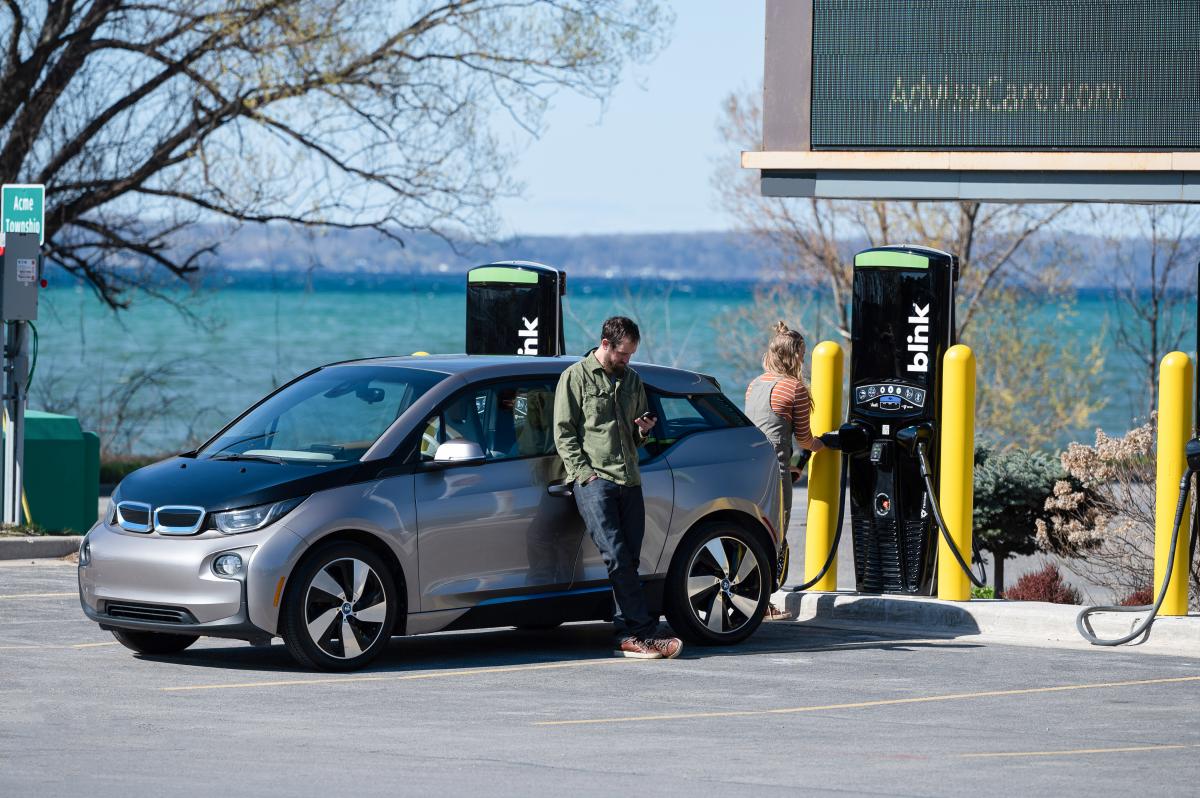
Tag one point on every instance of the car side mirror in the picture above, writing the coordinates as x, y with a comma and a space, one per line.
458, 452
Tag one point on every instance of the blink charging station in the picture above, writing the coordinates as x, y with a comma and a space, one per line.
902, 324
515, 307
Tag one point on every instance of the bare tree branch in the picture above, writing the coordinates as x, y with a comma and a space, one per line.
330, 113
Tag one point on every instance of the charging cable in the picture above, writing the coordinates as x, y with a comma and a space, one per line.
837, 535
926, 472
1083, 620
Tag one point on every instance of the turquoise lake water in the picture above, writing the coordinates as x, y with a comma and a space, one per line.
245, 340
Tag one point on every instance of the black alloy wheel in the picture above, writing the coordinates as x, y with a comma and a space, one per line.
719, 585
340, 608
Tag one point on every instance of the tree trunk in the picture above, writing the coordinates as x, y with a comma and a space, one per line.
998, 558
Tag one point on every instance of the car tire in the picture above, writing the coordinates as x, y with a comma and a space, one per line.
339, 608
154, 643
718, 585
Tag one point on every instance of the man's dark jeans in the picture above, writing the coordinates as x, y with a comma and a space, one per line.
616, 519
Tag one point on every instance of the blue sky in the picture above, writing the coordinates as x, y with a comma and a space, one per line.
643, 163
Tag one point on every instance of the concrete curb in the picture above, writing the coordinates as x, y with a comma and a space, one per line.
40, 546
1027, 623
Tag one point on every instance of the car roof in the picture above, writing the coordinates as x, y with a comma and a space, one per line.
484, 367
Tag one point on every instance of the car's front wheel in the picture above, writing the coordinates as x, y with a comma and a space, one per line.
159, 643
340, 608
718, 585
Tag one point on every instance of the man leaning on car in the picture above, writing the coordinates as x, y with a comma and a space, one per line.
600, 419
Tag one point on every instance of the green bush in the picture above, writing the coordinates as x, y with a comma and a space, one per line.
1011, 488
985, 592
113, 471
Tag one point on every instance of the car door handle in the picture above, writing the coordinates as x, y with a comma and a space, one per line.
561, 489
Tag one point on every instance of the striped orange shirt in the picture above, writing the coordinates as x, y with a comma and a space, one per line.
790, 400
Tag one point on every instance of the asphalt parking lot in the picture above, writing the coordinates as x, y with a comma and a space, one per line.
522, 713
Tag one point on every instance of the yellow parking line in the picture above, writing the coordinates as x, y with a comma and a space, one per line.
64, 645
1077, 751
864, 704
39, 595
399, 678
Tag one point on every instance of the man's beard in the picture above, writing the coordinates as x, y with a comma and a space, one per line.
615, 370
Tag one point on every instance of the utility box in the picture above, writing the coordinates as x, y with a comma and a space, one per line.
62, 472
22, 271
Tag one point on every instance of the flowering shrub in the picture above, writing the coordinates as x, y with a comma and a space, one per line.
1138, 598
1044, 585
1102, 515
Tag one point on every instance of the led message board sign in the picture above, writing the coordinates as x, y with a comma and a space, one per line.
1005, 75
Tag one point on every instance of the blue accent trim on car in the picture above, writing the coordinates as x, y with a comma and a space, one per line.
531, 596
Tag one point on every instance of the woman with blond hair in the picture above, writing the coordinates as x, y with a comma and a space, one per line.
779, 403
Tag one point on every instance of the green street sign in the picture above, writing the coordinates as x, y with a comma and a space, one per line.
24, 210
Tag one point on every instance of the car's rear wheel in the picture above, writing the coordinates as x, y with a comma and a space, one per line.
718, 585
159, 643
340, 608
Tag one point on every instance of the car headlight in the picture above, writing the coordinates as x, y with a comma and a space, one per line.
85, 552
248, 519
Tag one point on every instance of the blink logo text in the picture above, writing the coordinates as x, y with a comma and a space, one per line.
918, 342
528, 337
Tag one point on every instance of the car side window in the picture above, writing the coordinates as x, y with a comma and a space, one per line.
680, 416
509, 420
458, 419
521, 420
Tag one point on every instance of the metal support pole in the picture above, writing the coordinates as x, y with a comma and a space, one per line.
1174, 429
957, 479
825, 466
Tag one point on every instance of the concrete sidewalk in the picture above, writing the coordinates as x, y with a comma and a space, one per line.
38, 546
1028, 623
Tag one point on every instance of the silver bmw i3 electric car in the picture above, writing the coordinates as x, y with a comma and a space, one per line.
408, 495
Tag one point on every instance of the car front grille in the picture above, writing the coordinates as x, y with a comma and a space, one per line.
167, 520
148, 612
133, 516
178, 520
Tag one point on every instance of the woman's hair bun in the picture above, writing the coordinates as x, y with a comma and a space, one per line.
781, 328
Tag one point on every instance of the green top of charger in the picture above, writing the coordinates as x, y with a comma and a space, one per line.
910, 257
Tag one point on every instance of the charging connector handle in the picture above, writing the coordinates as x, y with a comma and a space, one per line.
926, 472
1083, 622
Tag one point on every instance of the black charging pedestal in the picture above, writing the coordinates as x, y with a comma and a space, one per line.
902, 324
515, 308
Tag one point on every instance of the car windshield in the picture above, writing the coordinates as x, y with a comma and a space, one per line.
331, 416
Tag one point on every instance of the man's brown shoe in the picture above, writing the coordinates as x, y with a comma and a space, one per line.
637, 648
668, 647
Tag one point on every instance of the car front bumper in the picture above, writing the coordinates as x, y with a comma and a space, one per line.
166, 584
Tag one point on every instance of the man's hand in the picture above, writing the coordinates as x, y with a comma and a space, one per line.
645, 423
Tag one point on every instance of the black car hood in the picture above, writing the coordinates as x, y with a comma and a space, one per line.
228, 484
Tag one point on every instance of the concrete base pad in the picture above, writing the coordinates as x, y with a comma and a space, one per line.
1031, 623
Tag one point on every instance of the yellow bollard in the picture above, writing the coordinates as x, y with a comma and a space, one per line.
824, 469
956, 491
1174, 428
